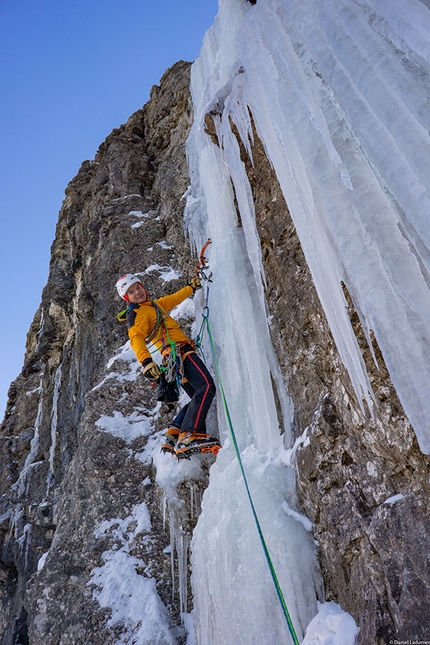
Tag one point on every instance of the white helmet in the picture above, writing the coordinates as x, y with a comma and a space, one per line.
124, 283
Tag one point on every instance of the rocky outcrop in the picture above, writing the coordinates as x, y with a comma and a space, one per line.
61, 475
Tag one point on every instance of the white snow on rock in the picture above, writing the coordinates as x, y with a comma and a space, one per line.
166, 273
331, 626
121, 585
395, 498
127, 428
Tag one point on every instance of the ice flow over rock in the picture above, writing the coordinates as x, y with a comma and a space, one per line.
338, 93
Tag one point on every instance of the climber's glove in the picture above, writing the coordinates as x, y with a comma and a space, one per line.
195, 283
151, 369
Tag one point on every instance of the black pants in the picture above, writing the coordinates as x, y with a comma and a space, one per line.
200, 387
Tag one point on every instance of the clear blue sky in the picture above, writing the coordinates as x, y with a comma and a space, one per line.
70, 72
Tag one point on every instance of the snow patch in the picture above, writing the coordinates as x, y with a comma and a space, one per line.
331, 626
127, 428
139, 214
163, 245
395, 498
120, 199
371, 469
126, 354
133, 601
127, 362
166, 273
288, 455
185, 310
122, 586
41, 561
119, 529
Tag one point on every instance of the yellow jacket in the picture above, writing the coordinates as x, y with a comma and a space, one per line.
143, 328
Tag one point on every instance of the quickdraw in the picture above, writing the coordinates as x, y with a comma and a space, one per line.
201, 271
172, 365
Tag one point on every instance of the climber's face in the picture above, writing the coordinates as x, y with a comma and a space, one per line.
137, 294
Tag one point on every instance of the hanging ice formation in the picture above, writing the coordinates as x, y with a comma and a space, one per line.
339, 95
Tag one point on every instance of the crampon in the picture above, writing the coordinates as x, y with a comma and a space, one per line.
189, 444
170, 440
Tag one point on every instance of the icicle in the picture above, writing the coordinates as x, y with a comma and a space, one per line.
22, 482
344, 123
164, 509
54, 423
179, 541
172, 553
192, 501
181, 544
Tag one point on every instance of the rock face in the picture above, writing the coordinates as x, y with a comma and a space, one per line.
71, 491
61, 476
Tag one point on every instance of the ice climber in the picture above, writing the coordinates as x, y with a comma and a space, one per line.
149, 323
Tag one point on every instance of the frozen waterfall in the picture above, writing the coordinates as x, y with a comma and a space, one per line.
339, 95
339, 92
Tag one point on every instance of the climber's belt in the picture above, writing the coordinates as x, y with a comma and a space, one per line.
181, 348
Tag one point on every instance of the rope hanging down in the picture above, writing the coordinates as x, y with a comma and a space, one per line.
206, 325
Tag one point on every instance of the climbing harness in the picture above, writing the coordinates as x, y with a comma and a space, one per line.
206, 326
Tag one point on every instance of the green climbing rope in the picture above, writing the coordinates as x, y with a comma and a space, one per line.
206, 325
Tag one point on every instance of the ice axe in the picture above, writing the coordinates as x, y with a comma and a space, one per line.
203, 266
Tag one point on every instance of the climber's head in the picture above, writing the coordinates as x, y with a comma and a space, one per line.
131, 289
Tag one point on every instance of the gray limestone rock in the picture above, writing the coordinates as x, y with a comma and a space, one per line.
62, 476
71, 491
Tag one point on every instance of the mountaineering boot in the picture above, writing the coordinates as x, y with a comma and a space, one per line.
170, 439
192, 442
